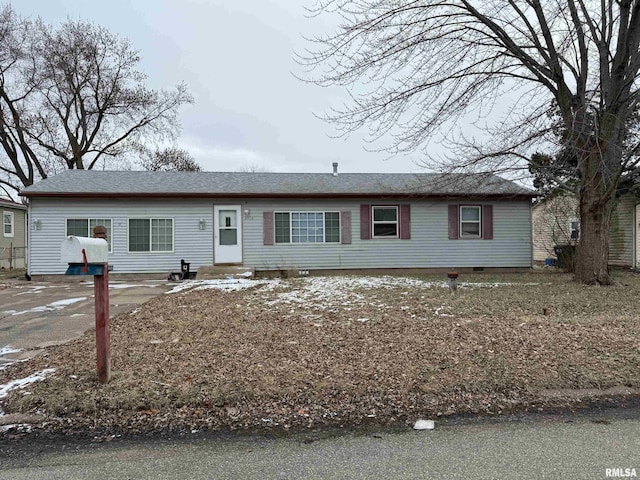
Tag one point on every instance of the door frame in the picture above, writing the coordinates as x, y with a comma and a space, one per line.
224, 206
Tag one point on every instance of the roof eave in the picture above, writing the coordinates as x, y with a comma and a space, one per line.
521, 196
17, 206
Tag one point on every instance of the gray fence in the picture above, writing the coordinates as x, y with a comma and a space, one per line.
13, 257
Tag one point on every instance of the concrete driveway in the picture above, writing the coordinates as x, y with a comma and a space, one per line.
35, 315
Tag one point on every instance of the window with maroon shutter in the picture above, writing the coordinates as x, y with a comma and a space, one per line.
453, 222
269, 236
470, 221
345, 226
487, 222
385, 221
304, 227
365, 222
405, 222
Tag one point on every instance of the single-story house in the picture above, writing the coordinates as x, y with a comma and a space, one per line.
13, 240
556, 221
276, 221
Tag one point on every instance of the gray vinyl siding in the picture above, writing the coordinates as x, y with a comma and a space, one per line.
190, 243
429, 246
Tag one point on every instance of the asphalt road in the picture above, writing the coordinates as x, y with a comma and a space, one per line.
540, 448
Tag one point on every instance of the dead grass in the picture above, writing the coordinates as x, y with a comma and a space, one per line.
6, 274
332, 351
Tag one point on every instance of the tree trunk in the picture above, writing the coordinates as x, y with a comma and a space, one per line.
592, 255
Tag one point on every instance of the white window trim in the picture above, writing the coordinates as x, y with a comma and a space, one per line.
574, 220
12, 215
152, 252
324, 229
479, 221
374, 223
89, 233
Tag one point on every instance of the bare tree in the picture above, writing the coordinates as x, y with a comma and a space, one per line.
19, 165
571, 68
73, 97
253, 168
171, 159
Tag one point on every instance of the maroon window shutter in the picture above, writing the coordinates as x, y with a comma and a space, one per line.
487, 222
454, 224
269, 237
405, 222
365, 222
345, 227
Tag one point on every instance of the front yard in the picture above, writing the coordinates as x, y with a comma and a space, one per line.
345, 351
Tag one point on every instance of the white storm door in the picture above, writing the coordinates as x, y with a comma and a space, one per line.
227, 234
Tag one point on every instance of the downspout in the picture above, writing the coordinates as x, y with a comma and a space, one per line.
28, 231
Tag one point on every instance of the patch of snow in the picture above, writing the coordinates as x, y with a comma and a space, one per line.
245, 274
9, 312
227, 285
128, 285
19, 427
57, 305
8, 349
34, 289
324, 292
23, 382
67, 301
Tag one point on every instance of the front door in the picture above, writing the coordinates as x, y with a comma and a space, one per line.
227, 234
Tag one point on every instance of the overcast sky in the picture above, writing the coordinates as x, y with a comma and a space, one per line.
237, 59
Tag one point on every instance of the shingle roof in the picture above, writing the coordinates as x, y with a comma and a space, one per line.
234, 184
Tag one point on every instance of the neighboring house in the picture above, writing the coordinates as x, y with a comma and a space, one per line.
13, 240
276, 221
556, 222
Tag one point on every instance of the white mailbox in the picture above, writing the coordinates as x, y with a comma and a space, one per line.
96, 250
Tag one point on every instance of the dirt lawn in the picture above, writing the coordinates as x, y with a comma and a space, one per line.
341, 351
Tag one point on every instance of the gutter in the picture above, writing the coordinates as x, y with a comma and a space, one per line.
120, 195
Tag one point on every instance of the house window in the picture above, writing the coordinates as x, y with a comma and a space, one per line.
385, 221
83, 227
150, 234
470, 222
307, 227
7, 224
574, 228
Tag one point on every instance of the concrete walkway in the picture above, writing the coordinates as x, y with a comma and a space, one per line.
35, 315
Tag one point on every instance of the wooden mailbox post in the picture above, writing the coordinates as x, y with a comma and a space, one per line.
89, 256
